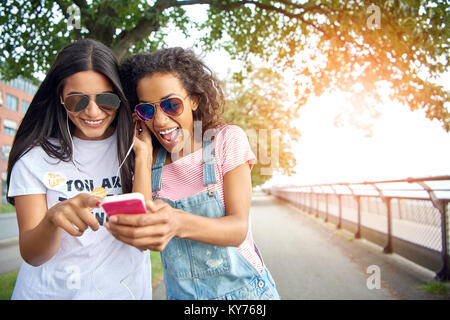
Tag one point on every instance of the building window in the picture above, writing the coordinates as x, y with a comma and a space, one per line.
25, 105
23, 85
10, 127
5, 150
11, 102
1, 98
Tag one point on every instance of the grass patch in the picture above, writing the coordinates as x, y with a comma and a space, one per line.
435, 287
7, 208
8, 280
157, 270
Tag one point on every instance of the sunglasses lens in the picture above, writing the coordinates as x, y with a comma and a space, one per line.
173, 106
108, 101
76, 103
146, 111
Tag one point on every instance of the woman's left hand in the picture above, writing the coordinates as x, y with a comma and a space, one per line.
152, 230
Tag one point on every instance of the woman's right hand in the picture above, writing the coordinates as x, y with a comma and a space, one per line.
143, 140
74, 215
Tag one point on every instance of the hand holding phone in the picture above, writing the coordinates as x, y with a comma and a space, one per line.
128, 203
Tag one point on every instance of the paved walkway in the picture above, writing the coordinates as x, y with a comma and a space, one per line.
8, 226
10, 258
310, 259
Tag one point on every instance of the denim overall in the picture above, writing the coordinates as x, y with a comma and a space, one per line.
196, 270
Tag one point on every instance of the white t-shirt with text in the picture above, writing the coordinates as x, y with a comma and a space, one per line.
94, 265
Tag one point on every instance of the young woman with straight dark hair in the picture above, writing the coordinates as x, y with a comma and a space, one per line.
72, 148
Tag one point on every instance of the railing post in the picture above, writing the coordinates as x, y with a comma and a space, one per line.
387, 201
317, 205
302, 201
388, 247
399, 206
326, 207
444, 273
335, 195
441, 205
304, 198
358, 228
339, 225
305, 201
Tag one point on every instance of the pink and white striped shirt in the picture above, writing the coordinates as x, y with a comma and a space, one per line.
184, 177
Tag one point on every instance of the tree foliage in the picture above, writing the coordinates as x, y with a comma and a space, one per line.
259, 104
331, 44
352, 45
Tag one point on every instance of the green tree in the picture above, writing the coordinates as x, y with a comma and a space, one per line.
352, 45
259, 104
332, 44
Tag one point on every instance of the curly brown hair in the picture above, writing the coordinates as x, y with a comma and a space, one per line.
197, 79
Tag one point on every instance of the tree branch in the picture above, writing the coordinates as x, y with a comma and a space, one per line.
127, 38
299, 16
143, 29
82, 4
145, 26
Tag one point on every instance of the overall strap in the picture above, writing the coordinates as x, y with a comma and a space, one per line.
157, 169
209, 172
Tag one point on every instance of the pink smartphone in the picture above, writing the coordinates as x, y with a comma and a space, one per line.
128, 203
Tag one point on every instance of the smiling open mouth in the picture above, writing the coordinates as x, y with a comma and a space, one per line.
93, 123
170, 134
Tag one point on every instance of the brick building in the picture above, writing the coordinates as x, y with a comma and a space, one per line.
15, 98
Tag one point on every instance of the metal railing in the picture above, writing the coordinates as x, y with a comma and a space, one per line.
409, 217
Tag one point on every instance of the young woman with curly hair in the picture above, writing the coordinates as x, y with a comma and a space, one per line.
199, 217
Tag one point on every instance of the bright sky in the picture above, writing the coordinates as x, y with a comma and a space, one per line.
403, 144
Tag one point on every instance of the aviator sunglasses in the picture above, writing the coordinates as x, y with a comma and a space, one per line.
77, 102
173, 107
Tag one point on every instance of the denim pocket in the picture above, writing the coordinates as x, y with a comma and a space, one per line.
257, 289
173, 249
184, 258
174, 260
209, 260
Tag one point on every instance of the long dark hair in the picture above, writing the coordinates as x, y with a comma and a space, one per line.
46, 117
194, 74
